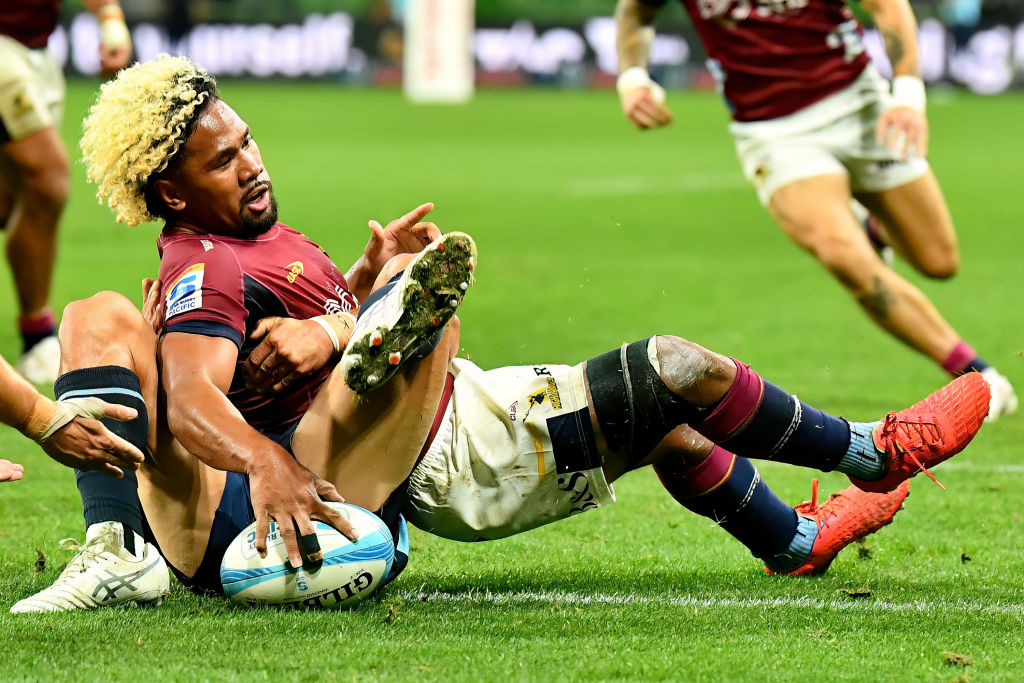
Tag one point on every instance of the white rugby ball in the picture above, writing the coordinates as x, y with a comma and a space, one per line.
349, 573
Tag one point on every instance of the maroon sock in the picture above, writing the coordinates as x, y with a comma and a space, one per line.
963, 359
36, 328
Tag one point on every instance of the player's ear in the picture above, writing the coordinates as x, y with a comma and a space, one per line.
168, 194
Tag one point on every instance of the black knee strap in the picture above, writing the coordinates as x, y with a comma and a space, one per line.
634, 406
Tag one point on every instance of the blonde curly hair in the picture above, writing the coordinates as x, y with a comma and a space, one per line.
137, 125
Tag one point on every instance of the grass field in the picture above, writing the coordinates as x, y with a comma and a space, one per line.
590, 235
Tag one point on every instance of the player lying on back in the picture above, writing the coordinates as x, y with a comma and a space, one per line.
257, 425
814, 125
69, 430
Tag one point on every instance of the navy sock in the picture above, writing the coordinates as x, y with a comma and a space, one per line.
977, 364
105, 499
786, 429
729, 490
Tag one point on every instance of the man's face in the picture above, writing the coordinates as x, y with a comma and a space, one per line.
221, 183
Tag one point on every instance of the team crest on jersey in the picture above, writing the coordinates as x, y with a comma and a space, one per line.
294, 271
185, 293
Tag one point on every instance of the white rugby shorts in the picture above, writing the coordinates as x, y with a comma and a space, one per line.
31, 89
515, 450
833, 136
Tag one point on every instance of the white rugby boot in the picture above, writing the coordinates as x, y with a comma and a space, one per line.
41, 363
103, 573
1004, 400
391, 329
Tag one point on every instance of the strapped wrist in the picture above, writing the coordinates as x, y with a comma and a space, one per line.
338, 327
36, 424
632, 78
908, 91
114, 32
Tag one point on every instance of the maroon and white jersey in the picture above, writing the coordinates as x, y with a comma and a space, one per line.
222, 286
30, 22
774, 57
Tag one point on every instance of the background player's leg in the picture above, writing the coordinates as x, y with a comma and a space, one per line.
40, 180
815, 213
918, 225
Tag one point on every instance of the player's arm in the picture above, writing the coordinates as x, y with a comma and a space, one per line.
69, 431
115, 39
903, 127
196, 372
643, 100
291, 350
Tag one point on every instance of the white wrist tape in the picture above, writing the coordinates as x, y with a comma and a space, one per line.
637, 77
113, 31
908, 91
335, 326
66, 411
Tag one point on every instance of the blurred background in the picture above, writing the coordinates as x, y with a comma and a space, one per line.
969, 43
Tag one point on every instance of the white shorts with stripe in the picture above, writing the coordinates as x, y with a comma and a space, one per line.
833, 136
515, 450
31, 89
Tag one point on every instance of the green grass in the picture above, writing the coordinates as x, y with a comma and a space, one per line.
591, 235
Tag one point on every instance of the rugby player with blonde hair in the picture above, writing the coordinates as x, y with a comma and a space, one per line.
245, 368
816, 126
34, 175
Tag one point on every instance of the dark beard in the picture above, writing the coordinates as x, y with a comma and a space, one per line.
254, 227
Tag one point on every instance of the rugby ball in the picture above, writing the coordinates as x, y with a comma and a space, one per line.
349, 573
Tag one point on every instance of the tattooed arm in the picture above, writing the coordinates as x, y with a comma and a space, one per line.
903, 128
643, 101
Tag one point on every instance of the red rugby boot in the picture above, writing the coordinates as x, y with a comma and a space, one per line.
929, 432
846, 517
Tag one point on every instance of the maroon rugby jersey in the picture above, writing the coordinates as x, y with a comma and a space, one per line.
30, 22
222, 286
774, 57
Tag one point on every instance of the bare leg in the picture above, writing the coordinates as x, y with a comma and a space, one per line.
40, 165
815, 213
918, 225
179, 494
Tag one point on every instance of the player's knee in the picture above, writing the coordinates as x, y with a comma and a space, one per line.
941, 263
46, 190
105, 317
690, 371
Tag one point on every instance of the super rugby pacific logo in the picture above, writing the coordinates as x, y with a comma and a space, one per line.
186, 292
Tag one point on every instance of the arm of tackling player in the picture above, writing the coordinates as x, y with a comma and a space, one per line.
903, 128
643, 100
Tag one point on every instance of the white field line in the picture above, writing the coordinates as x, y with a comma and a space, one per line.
486, 597
634, 185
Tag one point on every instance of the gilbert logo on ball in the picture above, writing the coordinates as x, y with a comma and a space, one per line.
349, 573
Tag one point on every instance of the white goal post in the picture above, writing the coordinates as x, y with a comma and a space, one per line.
438, 55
